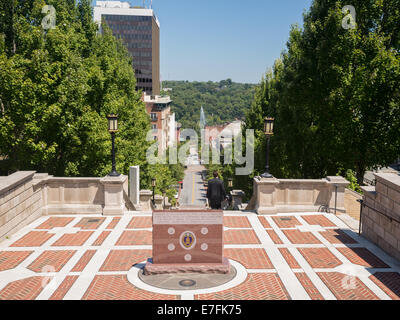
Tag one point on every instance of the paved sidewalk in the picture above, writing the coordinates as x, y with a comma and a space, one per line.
300, 257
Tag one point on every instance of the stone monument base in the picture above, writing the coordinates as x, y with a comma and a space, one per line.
202, 268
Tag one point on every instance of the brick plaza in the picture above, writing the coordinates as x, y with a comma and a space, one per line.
284, 257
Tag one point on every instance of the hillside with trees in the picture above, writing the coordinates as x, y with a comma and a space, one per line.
222, 101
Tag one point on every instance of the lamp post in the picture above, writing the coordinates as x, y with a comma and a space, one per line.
153, 184
113, 129
269, 131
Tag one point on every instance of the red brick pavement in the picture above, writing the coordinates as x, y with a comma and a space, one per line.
286, 222
117, 287
319, 220
55, 222
135, 238
113, 223
140, 223
274, 237
102, 237
11, 259
73, 239
362, 257
25, 289
389, 282
236, 222
298, 237
264, 222
320, 257
258, 286
90, 223
83, 261
337, 236
64, 287
124, 260
341, 287
55, 259
250, 258
312, 291
292, 262
33, 239
240, 237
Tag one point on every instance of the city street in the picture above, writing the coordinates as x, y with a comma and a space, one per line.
193, 194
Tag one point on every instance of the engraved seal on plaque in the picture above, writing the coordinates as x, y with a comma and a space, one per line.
187, 240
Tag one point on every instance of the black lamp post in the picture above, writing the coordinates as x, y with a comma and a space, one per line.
113, 129
153, 184
269, 131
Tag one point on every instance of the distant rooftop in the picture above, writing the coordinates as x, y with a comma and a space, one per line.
121, 8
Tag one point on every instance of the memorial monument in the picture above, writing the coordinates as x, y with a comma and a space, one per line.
187, 242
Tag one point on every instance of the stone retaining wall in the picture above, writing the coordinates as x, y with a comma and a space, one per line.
381, 213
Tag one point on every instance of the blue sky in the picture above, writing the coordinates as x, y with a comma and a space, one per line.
219, 39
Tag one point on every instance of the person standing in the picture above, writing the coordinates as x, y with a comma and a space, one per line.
216, 192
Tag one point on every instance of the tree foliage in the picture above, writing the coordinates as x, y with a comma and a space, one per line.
334, 94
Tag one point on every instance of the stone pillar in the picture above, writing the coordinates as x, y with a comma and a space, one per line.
237, 199
158, 202
134, 185
264, 191
114, 204
145, 200
341, 184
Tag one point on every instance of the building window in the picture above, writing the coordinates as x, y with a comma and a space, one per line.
153, 116
154, 126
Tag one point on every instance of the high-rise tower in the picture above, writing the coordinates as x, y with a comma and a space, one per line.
139, 29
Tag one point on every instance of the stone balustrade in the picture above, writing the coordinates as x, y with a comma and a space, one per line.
25, 196
273, 196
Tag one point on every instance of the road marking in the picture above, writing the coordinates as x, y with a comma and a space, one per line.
193, 188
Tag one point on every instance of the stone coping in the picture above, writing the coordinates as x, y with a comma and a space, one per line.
9, 182
390, 179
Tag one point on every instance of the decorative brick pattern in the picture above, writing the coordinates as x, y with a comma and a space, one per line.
298, 237
337, 236
25, 289
258, 286
286, 222
55, 222
135, 238
342, 289
250, 258
236, 222
320, 257
124, 260
113, 223
264, 222
240, 237
90, 223
363, 257
53, 259
292, 262
389, 282
11, 259
64, 287
274, 237
33, 239
83, 261
73, 239
309, 286
117, 287
319, 220
140, 223
102, 237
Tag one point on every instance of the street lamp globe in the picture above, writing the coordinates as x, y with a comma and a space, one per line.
269, 126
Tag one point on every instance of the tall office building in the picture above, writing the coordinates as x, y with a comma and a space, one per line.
139, 29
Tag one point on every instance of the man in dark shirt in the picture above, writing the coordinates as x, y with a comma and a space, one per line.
215, 192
